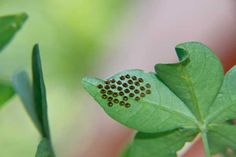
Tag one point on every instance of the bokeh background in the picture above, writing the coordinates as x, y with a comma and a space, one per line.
99, 38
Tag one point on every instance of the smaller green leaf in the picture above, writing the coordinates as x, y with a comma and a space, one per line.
146, 105
24, 89
224, 106
39, 91
222, 139
44, 149
6, 92
164, 144
9, 25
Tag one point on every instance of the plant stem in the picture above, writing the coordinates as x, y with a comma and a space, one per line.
205, 144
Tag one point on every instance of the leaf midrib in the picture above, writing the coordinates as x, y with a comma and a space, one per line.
193, 95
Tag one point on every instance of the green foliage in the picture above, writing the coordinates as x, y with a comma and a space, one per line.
179, 101
6, 92
9, 25
44, 149
35, 102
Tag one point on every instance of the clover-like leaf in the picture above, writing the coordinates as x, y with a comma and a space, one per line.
196, 79
139, 100
192, 96
9, 25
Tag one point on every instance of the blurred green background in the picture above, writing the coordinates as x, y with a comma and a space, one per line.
71, 35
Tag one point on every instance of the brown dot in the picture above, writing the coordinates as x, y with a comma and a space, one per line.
130, 81
113, 80
127, 91
127, 76
107, 87
110, 99
142, 88
134, 77
125, 85
140, 79
131, 94
137, 83
109, 92
116, 101
136, 91
127, 105
103, 91
125, 98
119, 82
122, 103
119, 88
148, 85
100, 86
137, 98
132, 87
121, 93
115, 94
142, 95
107, 82
104, 96
113, 86
110, 104
122, 77
148, 92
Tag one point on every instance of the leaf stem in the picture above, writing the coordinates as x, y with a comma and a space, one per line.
205, 143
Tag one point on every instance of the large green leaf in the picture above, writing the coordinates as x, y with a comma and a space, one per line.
9, 25
196, 79
224, 107
39, 91
158, 111
222, 139
160, 144
6, 92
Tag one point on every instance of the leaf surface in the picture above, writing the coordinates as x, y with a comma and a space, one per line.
224, 107
196, 79
222, 139
158, 111
24, 89
44, 149
160, 144
6, 92
9, 25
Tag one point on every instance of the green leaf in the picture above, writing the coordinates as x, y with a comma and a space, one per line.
222, 139
160, 144
44, 149
6, 92
192, 95
196, 79
39, 91
224, 107
9, 25
24, 89
158, 111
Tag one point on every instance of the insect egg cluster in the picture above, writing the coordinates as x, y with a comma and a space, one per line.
121, 90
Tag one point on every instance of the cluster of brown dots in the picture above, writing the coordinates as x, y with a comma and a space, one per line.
121, 90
